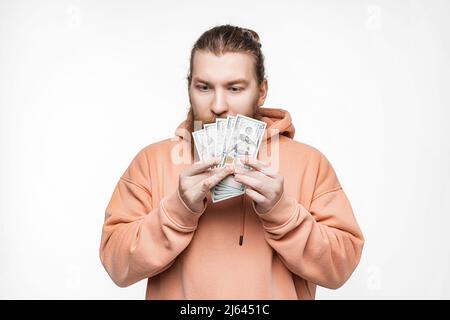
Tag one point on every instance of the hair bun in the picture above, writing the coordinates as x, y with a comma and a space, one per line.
252, 34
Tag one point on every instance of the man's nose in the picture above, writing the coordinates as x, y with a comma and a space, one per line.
220, 105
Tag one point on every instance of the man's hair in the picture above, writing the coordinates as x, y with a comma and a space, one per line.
227, 38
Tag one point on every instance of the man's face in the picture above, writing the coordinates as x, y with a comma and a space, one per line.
224, 85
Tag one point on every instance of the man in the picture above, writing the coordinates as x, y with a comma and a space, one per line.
293, 228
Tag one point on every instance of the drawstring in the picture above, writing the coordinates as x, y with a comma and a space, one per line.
241, 237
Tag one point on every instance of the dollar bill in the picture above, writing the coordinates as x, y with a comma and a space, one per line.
200, 144
228, 131
211, 137
221, 125
245, 140
230, 139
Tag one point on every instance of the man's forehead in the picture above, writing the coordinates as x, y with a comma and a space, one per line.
228, 67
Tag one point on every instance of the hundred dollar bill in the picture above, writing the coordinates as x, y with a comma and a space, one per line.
228, 131
220, 197
211, 137
221, 125
200, 143
244, 140
223, 149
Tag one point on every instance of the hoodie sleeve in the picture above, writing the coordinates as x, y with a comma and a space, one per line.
323, 244
139, 241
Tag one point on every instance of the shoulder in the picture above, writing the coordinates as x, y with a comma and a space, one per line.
150, 153
314, 161
297, 149
159, 147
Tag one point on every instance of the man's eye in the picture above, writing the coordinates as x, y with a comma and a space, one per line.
236, 89
202, 87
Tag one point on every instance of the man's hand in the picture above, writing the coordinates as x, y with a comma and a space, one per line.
195, 182
264, 184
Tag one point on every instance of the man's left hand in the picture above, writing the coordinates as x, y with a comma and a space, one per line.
264, 184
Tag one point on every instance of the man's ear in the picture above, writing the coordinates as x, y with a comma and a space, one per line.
263, 88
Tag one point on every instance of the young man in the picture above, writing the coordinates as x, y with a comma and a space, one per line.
293, 228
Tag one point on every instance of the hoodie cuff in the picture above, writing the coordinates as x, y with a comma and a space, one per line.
178, 211
281, 213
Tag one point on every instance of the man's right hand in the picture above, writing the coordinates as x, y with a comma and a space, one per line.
195, 182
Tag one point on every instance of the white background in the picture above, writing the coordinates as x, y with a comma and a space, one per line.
84, 85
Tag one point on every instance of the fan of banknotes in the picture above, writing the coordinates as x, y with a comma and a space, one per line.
231, 139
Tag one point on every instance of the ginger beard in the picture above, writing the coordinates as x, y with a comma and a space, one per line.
196, 122
195, 119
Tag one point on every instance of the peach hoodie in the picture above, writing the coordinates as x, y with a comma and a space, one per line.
309, 238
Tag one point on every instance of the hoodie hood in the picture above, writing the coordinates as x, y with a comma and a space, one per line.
278, 121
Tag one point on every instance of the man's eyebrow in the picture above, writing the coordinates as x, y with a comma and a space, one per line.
240, 80
236, 81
